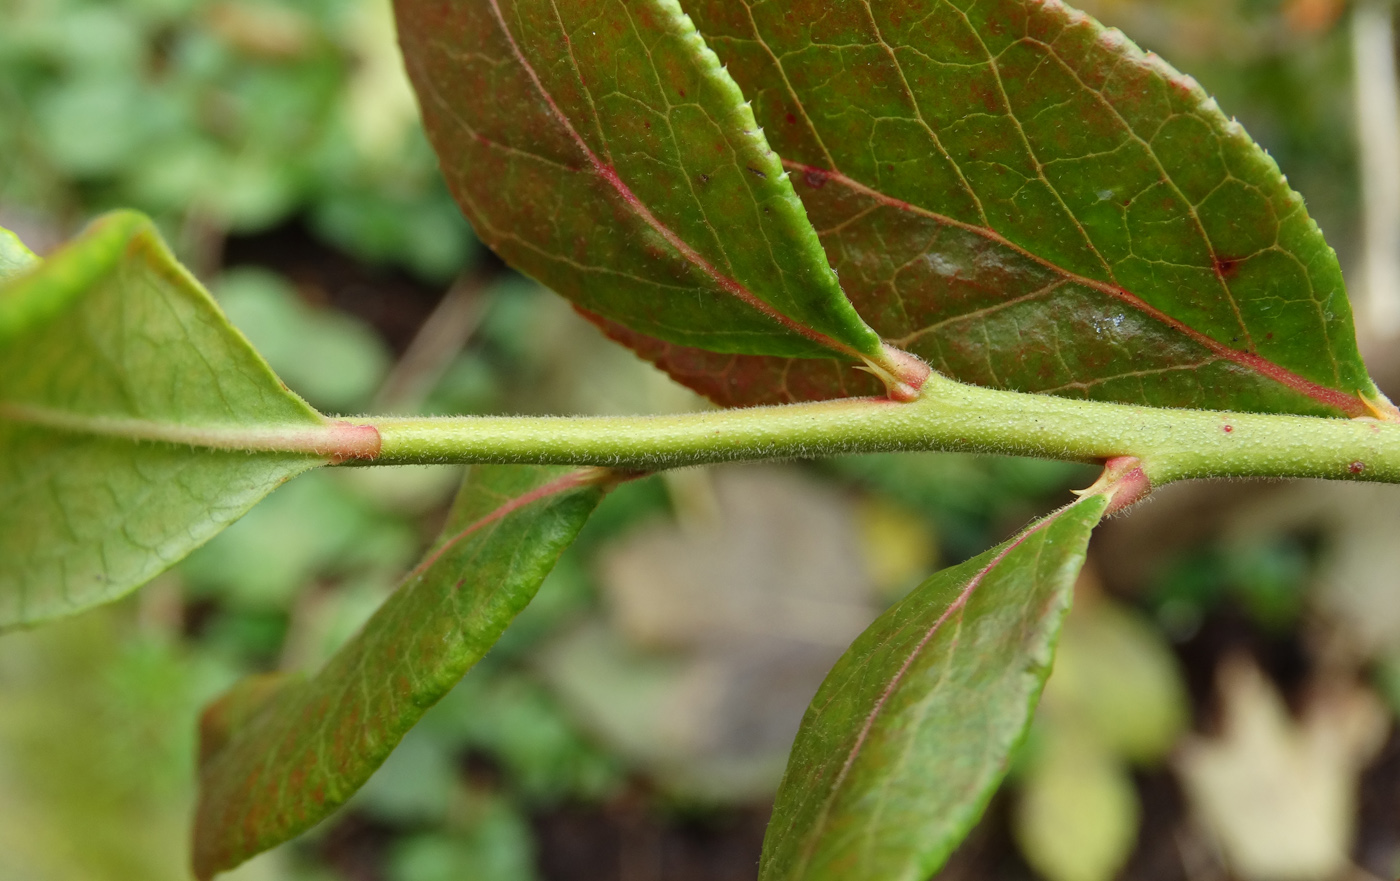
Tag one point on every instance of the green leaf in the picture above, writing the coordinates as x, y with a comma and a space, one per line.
279, 754
329, 357
135, 423
1028, 201
1076, 816
1117, 677
744, 380
14, 256
910, 734
600, 147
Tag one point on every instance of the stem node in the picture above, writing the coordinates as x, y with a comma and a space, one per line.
1123, 480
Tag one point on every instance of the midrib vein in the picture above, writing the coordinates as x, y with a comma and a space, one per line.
332, 440
609, 175
1350, 405
573, 480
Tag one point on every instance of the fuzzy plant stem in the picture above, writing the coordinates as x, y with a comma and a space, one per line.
1170, 444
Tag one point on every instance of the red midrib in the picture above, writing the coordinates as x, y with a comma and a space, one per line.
610, 176
572, 480
1349, 404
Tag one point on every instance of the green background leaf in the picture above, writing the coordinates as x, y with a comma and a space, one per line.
14, 256
135, 423
1077, 812
1026, 200
600, 147
281, 753
910, 733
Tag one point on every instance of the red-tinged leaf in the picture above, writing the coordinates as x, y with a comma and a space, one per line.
279, 754
1027, 201
745, 380
910, 734
600, 147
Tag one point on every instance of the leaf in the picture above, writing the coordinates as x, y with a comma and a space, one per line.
1117, 677
333, 359
909, 735
600, 147
744, 380
15, 258
1026, 200
135, 423
278, 755
1077, 815
124, 780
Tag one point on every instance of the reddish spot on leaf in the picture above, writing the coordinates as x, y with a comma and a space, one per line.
1226, 267
1227, 428
792, 119
1356, 467
814, 178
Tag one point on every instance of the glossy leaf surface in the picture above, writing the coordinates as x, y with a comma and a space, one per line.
135, 422
909, 735
279, 754
1027, 201
600, 147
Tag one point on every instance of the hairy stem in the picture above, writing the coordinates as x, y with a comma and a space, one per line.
1171, 444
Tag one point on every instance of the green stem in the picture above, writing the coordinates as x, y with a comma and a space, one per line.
1172, 444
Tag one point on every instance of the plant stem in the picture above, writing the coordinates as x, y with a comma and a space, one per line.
1172, 444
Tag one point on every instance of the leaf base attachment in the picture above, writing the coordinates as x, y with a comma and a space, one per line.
1124, 482
903, 374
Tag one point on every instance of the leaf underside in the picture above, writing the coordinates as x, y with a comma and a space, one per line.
909, 735
135, 423
1027, 201
278, 755
600, 147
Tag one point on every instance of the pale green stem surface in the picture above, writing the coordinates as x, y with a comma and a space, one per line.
1172, 444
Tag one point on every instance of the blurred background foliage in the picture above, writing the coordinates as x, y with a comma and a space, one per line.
1222, 703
